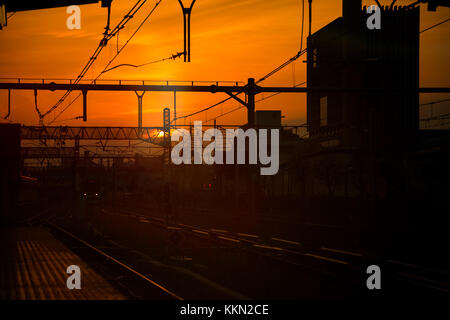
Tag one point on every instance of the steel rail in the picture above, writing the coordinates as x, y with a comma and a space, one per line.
140, 275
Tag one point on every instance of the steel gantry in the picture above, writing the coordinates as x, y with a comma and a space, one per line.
90, 133
251, 89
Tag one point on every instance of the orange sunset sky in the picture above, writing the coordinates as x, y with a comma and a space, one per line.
230, 40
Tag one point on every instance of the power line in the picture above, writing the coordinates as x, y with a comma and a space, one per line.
277, 93
240, 107
172, 57
439, 117
434, 26
282, 66
115, 56
277, 69
205, 109
98, 50
291, 60
285, 64
434, 102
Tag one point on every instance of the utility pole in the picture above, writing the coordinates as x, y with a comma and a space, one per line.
251, 91
175, 108
140, 96
84, 105
167, 201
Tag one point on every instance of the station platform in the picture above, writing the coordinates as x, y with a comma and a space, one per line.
33, 266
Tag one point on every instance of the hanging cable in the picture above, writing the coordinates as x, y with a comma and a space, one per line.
115, 56
262, 99
298, 55
98, 50
172, 57
36, 104
434, 26
205, 109
282, 66
434, 102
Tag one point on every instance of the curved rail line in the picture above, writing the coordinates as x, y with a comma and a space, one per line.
140, 275
353, 260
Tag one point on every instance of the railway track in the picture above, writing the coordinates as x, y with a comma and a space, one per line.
343, 263
137, 285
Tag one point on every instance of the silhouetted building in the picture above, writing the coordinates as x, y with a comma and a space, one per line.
346, 54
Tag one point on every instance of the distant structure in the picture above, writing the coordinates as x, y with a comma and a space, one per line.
346, 54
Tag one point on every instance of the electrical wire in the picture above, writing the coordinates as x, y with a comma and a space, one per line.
262, 99
282, 66
103, 42
115, 56
434, 26
172, 57
277, 69
285, 64
277, 93
205, 109
434, 102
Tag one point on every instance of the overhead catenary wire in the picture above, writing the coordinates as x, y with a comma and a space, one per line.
103, 42
282, 66
240, 107
115, 56
172, 57
276, 70
434, 26
434, 102
285, 64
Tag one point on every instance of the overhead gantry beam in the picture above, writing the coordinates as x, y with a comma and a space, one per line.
210, 88
151, 134
15, 6
70, 153
251, 89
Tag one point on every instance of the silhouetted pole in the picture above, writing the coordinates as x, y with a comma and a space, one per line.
140, 96
187, 29
175, 108
251, 91
251, 124
76, 184
310, 16
84, 105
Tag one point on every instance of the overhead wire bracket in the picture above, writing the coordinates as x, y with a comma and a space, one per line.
107, 4
41, 118
237, 98
187, 29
